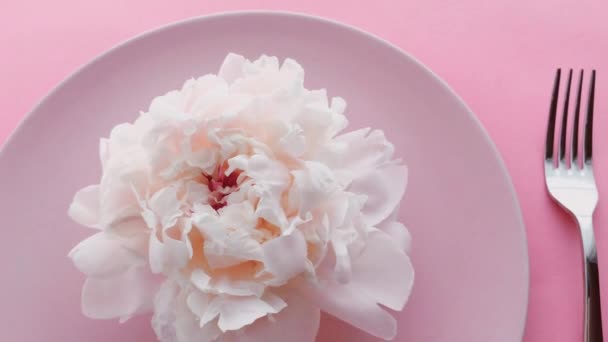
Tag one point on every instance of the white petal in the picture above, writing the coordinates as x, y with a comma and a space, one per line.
234, 312
231, 242
240, 162
353, 306
205, 159
123, 134
313, 185
200, 279
338, 105
165, 106
264, 64
337, 209
133, 233
296, 222
203, 307
236, 247
85, 207
384, 272
156, 254
343, 265
149, 217
173, 169
166, 206
103, 255
177, 253
269, 208
197, 192
121, 295
298, 322
384, 189
217, 259
225, 285
276, 302
232, 67
286, 256
168, 255
237, 312
359, 151
164, 318
104, 152
188, 328
238, 216
292, 67
117, 198
209, 89
294, 142
268, 171
399, 234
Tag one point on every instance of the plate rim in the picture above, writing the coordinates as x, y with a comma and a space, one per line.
10, 139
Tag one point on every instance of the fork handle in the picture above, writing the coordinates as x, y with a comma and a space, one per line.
593, 314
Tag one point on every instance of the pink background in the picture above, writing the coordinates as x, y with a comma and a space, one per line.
499, 56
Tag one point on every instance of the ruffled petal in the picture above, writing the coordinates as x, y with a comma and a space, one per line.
269, 208
103, 255
232, 67
398, 233
156, 254
104, 153
383, 271
165, 204
228, 236
119, 296
270, 172
188, 329
237, 312
170, 255
163, 320
358, 151
133, 234
294, 142
342, 269
225, 285
85, 208
204, 159
201, 305
200, 279
173, 320
177, 252
353, 306
234, 312
240, 248
312, 185
384, 189
298, 322
286, 256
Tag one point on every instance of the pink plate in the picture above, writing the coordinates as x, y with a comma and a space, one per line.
469, 246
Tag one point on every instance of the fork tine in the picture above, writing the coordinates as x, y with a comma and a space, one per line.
552, 114
577, 112
589, 122
564, 128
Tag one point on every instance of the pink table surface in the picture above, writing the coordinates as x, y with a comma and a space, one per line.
499, 56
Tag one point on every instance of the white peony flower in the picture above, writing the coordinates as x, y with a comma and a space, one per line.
236, 209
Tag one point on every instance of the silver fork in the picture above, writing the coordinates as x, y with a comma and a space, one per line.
571, 183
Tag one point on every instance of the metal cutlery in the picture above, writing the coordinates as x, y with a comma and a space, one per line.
571, 183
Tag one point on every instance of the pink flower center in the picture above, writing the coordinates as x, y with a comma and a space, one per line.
221, 185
